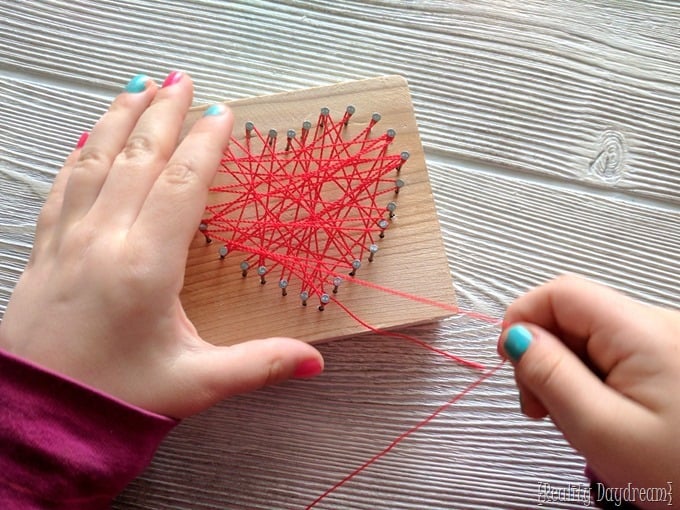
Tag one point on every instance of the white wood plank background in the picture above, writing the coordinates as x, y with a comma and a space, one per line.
551, 134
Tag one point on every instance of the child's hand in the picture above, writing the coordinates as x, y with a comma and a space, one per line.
607, 371
99, 299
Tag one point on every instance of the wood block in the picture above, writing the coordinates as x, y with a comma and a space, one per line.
227, 308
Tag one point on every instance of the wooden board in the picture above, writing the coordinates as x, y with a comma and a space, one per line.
227, 308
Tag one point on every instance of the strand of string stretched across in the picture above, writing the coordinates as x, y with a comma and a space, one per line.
406, 434
473, 364
425, 345
401, 437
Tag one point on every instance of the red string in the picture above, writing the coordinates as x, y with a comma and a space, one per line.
487, 373
315, 207
406, 434
420, 299
425, 345
309, 209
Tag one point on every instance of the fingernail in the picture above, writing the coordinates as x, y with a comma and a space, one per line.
172, 78
308, 368
215, 109
83, 138
137, 84
517, 341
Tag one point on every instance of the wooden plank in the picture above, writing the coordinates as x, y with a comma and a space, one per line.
227, 308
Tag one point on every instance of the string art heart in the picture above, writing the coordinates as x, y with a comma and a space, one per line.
311, 210
332, 212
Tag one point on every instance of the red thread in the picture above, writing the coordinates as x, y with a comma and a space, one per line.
406, 434
309, 209
425, 345
313, 208
420, 299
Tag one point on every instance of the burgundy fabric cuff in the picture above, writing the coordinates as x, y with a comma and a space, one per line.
65, 445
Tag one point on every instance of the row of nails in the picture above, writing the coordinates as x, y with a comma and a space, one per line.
139, 83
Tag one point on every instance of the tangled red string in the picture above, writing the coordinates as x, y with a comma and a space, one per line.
305, 211
311, 211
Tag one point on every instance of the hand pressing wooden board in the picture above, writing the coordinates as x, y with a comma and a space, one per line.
227, 308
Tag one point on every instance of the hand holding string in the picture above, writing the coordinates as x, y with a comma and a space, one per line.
607, 371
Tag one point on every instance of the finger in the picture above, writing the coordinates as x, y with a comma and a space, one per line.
586, 410
51, 209
104, 143
221, 372
175, 205
146, 152
588, 317
529, 403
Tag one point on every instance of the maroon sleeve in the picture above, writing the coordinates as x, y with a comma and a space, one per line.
65, 445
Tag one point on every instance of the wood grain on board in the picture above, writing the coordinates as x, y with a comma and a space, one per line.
227, 308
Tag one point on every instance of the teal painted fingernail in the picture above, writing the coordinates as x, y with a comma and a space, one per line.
215, 109
137, 84
517, 342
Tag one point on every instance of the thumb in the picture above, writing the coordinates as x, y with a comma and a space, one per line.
553, 378
223, 371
